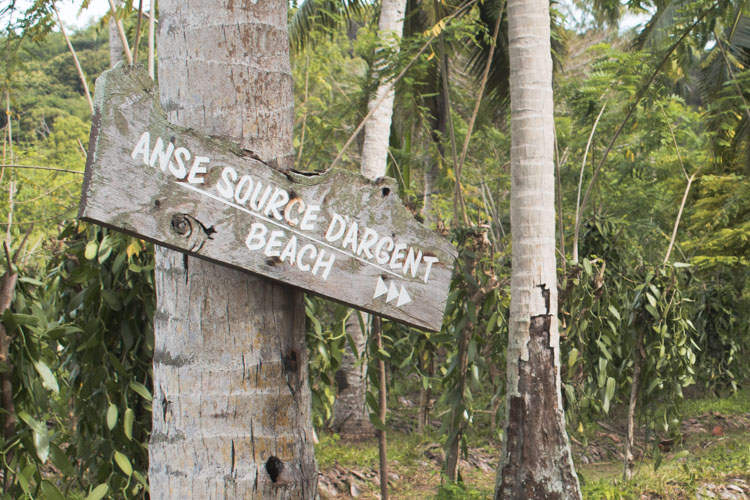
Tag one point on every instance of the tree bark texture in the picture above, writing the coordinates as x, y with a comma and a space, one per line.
231, 408
536, 461
378, 127
115, 43
7, 288
350, 416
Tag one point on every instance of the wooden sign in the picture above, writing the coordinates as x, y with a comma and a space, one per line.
334, 233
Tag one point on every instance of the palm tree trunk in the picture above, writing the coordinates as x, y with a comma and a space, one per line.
536, 461
115, 43
378, 127
231, 408
350, 412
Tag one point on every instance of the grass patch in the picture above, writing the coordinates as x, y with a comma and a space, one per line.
737, 403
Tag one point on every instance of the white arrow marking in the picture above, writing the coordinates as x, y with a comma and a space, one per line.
380, 288
403, 297
392, 293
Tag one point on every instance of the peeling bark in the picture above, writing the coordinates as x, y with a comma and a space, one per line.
539, 462
536, 461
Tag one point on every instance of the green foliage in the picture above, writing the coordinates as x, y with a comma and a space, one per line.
660, 312
326, 339
82, 342
458, 490
476, 323
107, 294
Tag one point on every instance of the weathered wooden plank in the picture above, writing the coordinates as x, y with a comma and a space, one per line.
335, 234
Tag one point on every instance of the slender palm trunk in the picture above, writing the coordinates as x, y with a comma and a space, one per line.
536, 461
115, 43
378, 127
231, 409
349, 408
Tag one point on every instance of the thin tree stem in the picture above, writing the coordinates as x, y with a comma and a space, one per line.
304, 114
677, 221
577, 224
151, 40
137, 31
75, 60
630, 439
684, 196
12, 184
39, 167
382, 410
561, 220
485, 76
458, 195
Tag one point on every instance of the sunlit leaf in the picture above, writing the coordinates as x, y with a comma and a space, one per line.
123, 463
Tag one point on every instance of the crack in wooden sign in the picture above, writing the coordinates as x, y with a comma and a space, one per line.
335, 233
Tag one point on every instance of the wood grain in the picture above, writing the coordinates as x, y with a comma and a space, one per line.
154, 186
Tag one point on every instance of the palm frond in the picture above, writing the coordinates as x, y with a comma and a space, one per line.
657, 29
497, 91
315, 15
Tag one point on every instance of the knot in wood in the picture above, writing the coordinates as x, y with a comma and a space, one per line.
182, 225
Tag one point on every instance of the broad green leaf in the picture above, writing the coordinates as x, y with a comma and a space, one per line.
379, 425
371, 401
61, 461
614, 312
491, 324
140, 478
127, 423
584, 324
142, 390
50, 491
657, 458
24, 319
653, 311
48, 378
609, 393
587, 266
41, 443
651, 299
91, 249
572, 358
475, 373
123, 463
570, 393
25, 476
98, 493
41, 436
112, 412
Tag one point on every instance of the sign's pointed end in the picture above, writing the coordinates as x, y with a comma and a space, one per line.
392, 292
380, 288
403, 297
